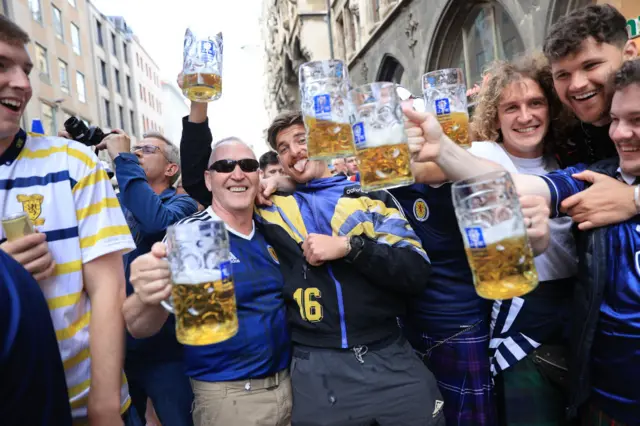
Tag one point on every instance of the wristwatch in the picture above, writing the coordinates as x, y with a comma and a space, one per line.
356, 243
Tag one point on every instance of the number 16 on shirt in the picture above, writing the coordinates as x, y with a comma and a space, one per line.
310, 308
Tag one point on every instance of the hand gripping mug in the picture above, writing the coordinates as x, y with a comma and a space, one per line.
380, 139
202, 294
202, 67
445, 95
326, 110
495, 238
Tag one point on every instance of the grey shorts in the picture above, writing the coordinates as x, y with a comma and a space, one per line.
385, 386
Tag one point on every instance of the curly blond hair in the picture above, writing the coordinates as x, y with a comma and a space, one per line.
499, 75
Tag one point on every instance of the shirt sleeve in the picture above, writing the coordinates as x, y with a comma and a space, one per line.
562, 186
195, 150
102, 228
153, 215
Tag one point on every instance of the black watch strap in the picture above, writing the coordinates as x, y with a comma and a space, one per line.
357, 244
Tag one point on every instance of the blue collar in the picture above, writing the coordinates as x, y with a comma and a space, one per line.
167, 193
323, 183
10, 155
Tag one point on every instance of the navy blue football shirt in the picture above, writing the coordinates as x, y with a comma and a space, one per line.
450, 300
33, 390
262, 345
615, 357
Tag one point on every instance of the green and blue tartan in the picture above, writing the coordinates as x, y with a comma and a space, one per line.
527, 398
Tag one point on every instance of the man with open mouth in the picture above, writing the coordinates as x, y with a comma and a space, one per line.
76, 256
605, 334
350, 262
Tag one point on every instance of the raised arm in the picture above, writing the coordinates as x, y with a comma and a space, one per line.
433, 152
195, 150
151, 281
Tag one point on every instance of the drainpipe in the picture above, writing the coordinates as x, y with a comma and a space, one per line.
329, 28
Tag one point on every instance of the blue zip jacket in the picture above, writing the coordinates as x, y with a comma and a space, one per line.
148, 216
341, 304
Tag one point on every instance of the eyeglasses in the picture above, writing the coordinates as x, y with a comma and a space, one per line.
247, 165
148, 150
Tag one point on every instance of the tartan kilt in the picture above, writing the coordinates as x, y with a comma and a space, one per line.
593, 416
527, 398
462, 369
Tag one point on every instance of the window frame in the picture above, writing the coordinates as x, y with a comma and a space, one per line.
58, 25
44, 74
82, 94
73, 41
64, 83
36, 14
104, 77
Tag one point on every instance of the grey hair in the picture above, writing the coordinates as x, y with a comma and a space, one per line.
171, 152
226, 141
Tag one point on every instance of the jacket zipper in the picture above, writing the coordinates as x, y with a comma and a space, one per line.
553, 364
596, 258
338, 286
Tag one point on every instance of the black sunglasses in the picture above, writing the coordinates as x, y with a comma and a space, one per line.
247, 165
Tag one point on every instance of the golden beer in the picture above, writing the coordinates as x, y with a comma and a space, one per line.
205, 312
384, 166
328, 139
17, 226
202, 87
456, 127
504, 269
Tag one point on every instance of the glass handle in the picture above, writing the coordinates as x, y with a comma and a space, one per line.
168, 305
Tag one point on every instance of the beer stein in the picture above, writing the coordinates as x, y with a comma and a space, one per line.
495, 238
445, 95
202, 294
380, 139
202, 67
326, 110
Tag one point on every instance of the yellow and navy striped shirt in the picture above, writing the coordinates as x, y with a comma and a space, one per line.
68, 196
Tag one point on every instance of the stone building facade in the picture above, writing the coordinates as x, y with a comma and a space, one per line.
399, 40
294, 31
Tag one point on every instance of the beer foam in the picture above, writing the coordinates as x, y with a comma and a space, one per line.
197, 276
386, 136
503, 230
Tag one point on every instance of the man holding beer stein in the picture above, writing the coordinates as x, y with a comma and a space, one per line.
605, 331
146, 173
65, 192
244, 380
518, 109
349, 261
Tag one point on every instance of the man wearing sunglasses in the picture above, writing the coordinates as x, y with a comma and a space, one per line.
242, 381
350, 261
146, 173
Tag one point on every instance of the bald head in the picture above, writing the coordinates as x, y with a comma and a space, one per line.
227, 144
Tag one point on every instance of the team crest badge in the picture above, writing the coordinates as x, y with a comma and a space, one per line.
272, 252
421, 210
32, 205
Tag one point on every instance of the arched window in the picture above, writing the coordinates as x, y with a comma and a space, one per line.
390, 70
488, 34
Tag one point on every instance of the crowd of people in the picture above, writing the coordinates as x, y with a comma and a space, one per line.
354, 308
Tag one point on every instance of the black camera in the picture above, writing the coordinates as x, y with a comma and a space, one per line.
89, 136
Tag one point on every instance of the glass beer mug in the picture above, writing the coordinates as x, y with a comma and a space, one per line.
380, 139
495, 239
202, 67
326, 110
445, 95
202, 294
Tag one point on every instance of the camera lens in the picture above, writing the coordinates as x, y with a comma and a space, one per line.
76, 128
